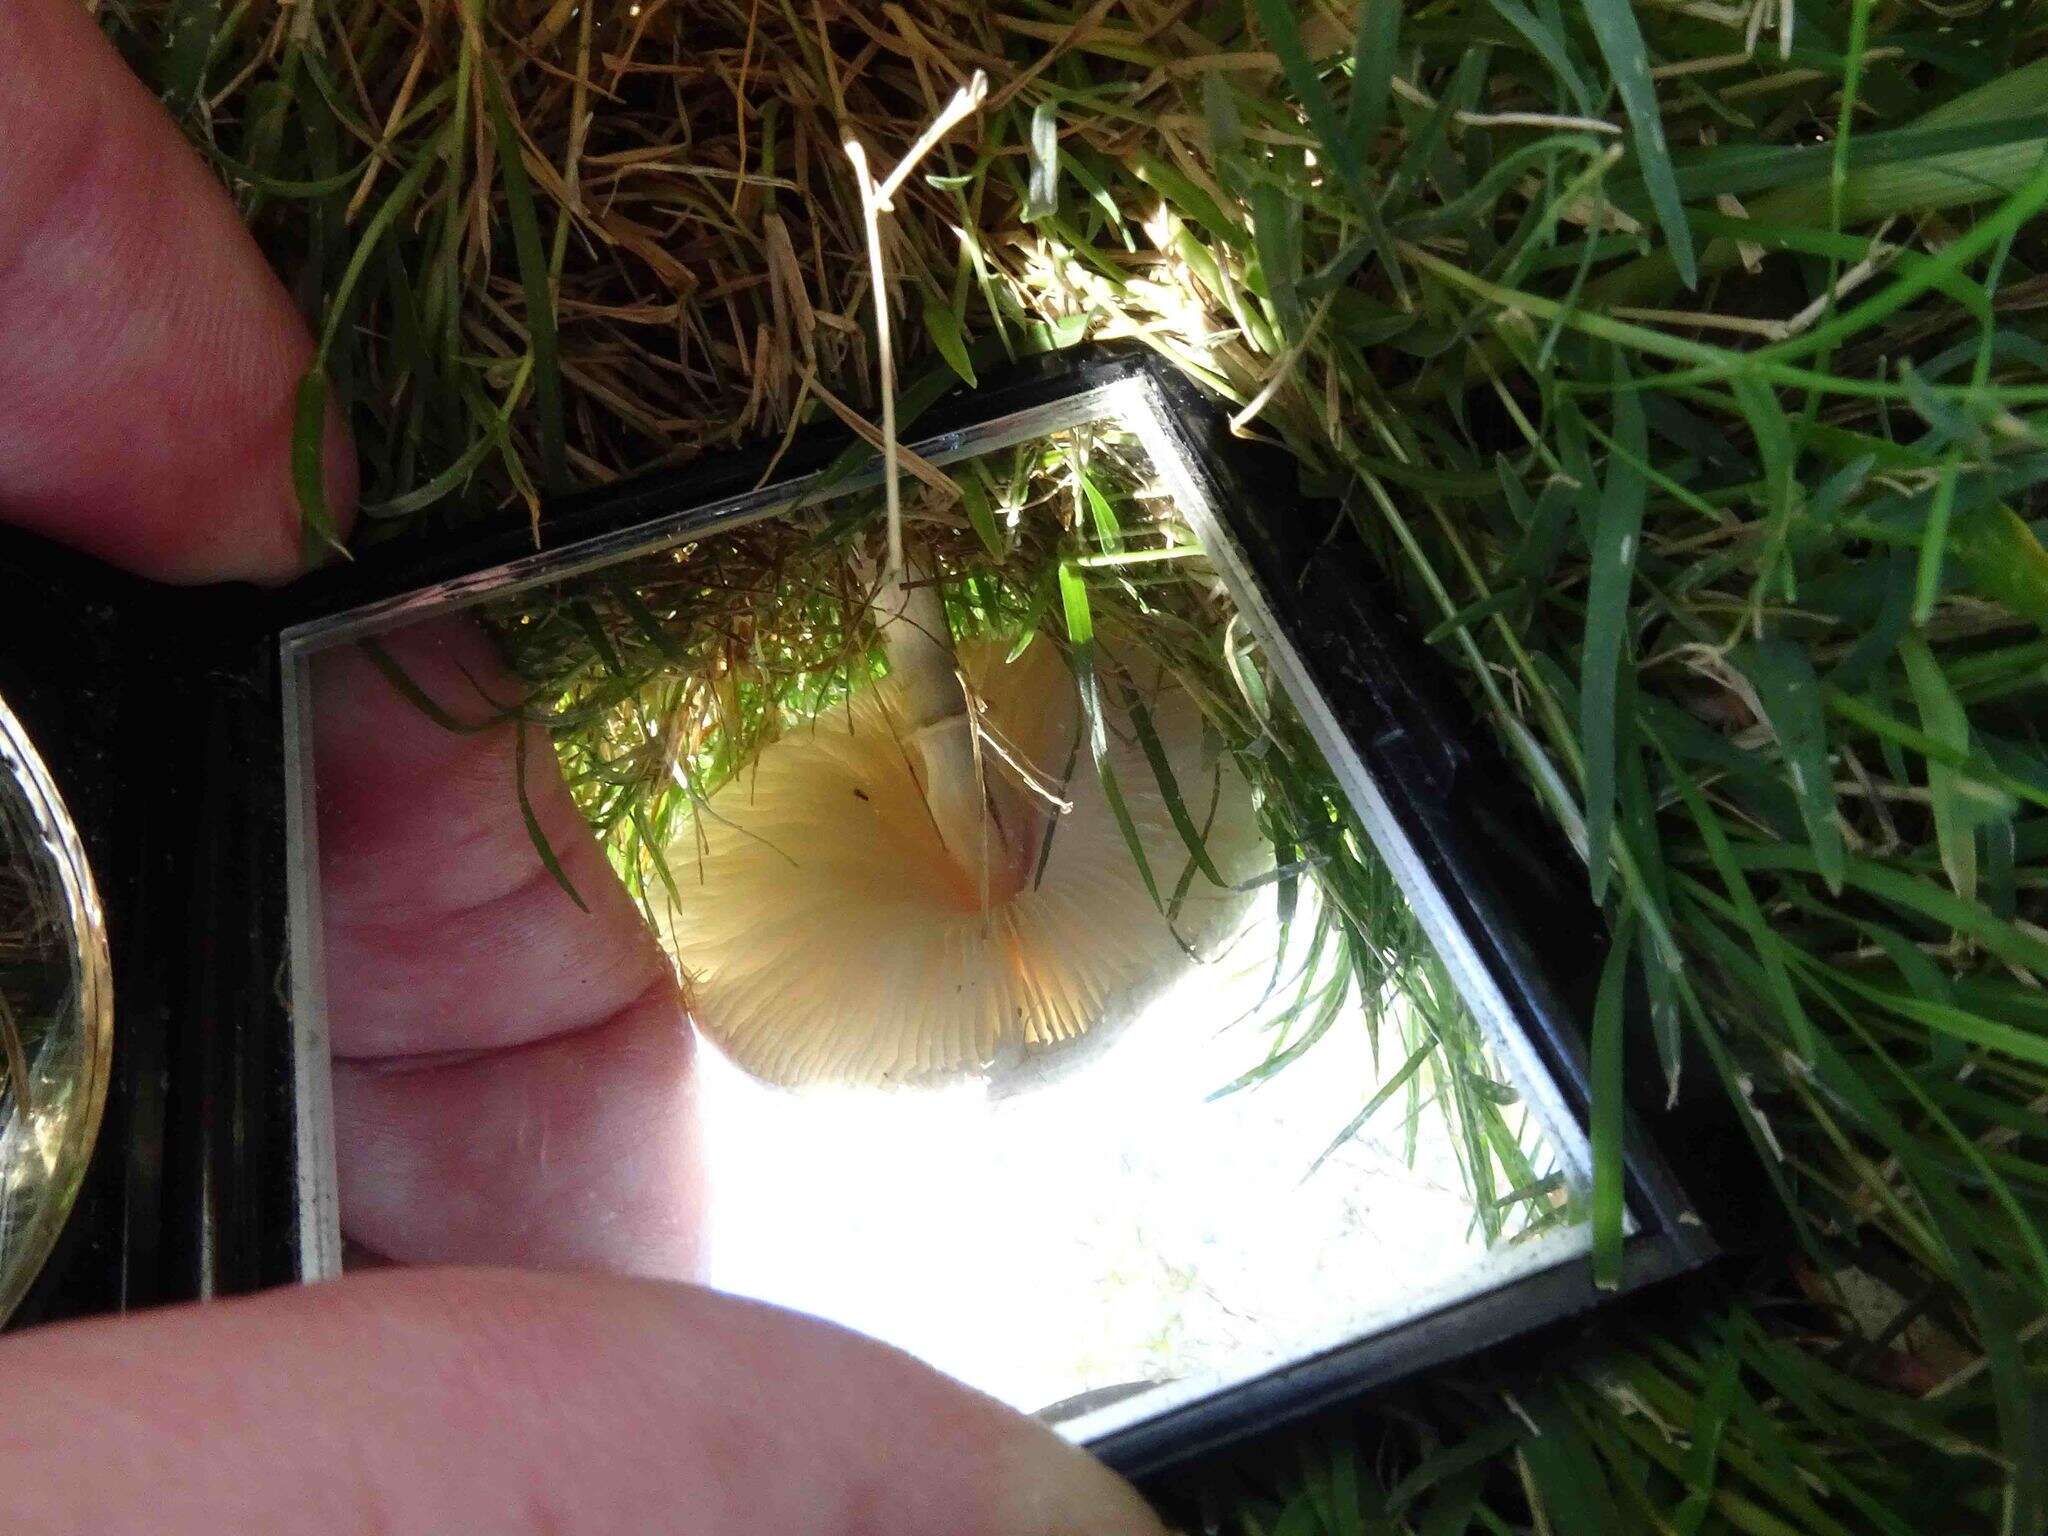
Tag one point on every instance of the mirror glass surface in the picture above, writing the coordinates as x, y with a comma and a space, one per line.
1058, 1017
55, 1013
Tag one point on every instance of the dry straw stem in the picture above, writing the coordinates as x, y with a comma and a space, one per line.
876, 199
1554, 381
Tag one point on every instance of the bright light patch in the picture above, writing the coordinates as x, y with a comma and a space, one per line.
1113, 1226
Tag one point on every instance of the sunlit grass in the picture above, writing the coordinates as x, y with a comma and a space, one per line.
1684, 362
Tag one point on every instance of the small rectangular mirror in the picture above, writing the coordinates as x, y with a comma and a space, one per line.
1079, 1006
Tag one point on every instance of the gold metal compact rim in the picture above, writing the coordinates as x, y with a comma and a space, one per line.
27, 779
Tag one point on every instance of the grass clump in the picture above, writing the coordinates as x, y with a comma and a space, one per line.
664, 677
1684, 361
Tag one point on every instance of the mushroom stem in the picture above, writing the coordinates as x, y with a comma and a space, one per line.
919, 645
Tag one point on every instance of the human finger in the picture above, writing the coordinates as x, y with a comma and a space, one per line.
513, 1080
147, 418
491, 1401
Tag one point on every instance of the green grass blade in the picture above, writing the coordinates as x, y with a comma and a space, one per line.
1372, 73
1081, 638
1385, 1091
535, 279
1608, 1110
1548, 38
534, 831
1942, 717
1778, 980
1169, 790
2010, 942
1614, 534
1276, 20
188, 45
1716, 1406
309, 464
942, 324
1786, 685
1274, 217
1628, 59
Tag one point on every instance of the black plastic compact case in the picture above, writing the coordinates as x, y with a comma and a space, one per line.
155, 740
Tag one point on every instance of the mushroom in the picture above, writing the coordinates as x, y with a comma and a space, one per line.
903, 891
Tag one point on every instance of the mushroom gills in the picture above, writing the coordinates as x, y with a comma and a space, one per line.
835, 922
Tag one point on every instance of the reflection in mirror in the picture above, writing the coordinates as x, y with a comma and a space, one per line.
55, 1018
1064, 1026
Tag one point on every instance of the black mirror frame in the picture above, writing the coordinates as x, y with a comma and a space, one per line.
162, 711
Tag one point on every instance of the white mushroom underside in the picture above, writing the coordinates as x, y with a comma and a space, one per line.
829, 935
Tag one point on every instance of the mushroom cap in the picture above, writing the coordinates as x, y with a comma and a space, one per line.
827, 934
